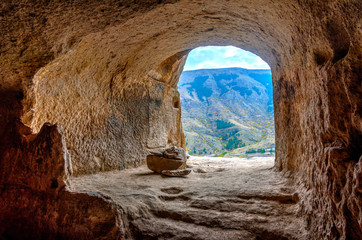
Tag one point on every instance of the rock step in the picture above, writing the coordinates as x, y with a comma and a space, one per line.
259, 203
159, 228
261, 207
249, 207
244, 214
214, 219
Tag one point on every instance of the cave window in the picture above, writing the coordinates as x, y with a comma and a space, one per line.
226, 103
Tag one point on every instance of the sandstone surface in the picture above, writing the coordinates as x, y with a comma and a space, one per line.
232, 199
35, 197
106, 73
175, 153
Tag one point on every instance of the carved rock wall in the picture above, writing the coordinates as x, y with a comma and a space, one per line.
107, 73
35, 197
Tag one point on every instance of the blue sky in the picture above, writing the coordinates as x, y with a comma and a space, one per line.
223, 57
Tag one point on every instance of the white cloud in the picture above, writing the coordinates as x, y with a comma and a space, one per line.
223, 57
231, 52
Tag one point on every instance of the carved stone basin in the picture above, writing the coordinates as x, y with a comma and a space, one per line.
158, 163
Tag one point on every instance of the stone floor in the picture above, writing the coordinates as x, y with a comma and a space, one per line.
222, 198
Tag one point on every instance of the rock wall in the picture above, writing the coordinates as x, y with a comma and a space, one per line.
107, 73
109, 119
36, 201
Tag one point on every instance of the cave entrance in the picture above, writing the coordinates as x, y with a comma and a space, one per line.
227, 103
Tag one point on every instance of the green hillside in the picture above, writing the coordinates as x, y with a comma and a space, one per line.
227, 111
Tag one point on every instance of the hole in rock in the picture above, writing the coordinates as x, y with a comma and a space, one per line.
227, 113
227, 103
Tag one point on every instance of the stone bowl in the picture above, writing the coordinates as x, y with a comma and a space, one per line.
158, 163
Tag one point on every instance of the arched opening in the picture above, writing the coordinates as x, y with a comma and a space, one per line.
109, 83
214, 199
227, 103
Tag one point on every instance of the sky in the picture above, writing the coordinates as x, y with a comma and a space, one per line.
223, 57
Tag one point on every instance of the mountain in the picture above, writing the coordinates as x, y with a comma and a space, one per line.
228, 110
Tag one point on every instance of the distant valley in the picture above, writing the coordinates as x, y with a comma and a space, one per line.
227, 112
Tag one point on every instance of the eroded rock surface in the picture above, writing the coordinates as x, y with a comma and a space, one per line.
233, 199
175, 153
35, 197
106, 72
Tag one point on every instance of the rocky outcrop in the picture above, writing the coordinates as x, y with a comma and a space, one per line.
106, 72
